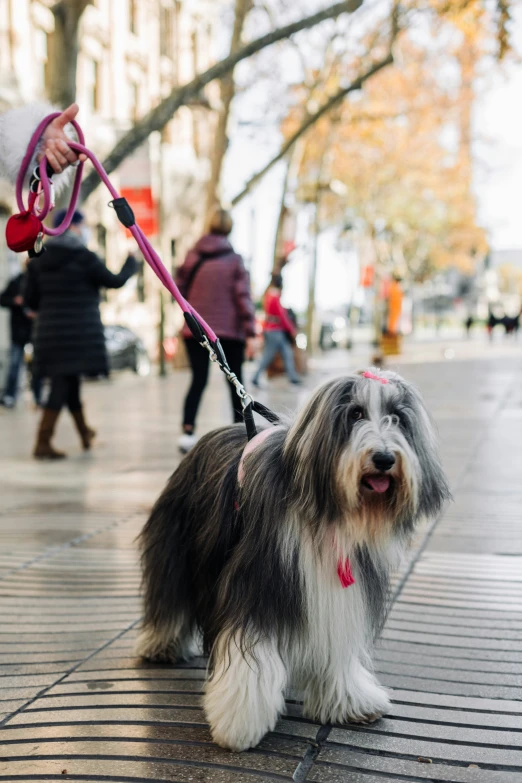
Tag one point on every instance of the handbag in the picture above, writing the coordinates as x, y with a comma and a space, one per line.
277, 366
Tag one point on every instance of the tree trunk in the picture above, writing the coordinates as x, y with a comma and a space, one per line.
278, 262
63, 51
228, 89
312, 279
309, 122
158, 117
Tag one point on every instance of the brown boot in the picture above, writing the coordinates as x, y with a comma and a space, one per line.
43, 448
87, 434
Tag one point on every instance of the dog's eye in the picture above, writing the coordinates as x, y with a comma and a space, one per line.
357, 413
398, 418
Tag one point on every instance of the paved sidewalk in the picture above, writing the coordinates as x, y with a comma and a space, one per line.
76, 705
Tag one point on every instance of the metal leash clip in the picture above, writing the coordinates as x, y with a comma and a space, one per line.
241, 392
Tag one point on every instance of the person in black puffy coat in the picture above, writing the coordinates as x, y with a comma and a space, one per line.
63, 288
21, 322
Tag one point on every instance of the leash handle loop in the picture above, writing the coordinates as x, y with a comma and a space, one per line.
43, 174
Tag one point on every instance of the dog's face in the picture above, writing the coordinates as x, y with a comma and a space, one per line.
364, 453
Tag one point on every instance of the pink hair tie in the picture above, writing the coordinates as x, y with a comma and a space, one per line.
373, 377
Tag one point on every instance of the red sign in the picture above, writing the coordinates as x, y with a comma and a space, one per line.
144, 207
367, 276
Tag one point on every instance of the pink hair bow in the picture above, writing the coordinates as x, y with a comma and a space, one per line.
373, 377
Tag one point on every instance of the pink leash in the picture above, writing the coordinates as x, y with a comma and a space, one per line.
197, 325
121, 206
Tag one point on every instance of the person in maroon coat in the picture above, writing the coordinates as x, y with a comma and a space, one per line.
215, 282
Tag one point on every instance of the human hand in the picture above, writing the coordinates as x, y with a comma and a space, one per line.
55, 142
31, 314
251, 348
18, 300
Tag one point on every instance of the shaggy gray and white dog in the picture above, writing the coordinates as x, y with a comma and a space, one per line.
280, 561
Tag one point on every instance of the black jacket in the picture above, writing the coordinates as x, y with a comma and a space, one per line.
63, 286
21, 325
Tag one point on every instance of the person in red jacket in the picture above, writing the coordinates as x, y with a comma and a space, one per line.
279, 333
214, 280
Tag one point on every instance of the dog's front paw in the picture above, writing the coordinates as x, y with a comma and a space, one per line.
153, 647
353, 697
364, 720
368, 701
240, 718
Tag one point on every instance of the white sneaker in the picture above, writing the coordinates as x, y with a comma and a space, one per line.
186, 442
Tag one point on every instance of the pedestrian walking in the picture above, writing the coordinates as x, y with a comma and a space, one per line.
214, 280
278, 331
21, 325
63, 288
395, 300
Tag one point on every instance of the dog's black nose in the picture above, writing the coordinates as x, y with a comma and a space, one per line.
383, 460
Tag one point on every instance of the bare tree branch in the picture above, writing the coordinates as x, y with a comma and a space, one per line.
310, 121
158, 117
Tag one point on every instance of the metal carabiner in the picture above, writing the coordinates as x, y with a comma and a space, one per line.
35, 180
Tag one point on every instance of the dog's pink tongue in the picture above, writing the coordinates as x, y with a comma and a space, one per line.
378, 483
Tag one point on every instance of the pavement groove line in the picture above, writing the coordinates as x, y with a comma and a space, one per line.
75, 704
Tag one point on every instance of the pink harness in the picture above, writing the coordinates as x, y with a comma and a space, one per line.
344, 569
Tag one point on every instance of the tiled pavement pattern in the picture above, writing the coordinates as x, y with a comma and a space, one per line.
76, 705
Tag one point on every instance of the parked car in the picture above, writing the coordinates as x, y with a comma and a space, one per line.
126, 351
335, 331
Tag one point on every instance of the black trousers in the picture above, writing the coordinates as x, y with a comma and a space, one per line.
200, 362
65, 390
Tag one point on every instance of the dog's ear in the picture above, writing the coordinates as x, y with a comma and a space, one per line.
435, 490
346, 392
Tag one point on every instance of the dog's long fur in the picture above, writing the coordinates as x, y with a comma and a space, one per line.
252, 569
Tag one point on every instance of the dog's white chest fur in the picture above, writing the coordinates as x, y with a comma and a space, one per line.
336, 625
331, 661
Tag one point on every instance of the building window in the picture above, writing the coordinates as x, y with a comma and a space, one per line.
133, 16
140, 282
166, 32
41, 42
134, 98
101, 239
92, 85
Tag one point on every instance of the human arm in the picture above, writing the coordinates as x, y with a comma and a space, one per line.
55, 142
10, 296
104, 278
32, 288
243, 300
16, 129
